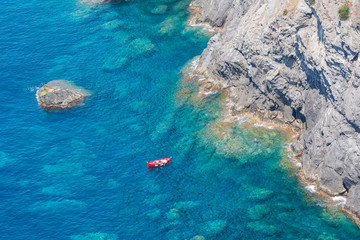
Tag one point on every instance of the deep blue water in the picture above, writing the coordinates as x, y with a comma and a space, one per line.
81, 173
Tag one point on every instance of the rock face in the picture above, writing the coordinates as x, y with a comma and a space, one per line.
294, 63
59, 94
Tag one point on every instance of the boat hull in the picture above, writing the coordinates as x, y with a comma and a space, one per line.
159, 162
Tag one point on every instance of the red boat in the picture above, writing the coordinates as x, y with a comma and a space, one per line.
159, 162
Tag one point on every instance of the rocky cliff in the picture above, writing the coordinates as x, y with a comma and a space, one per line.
294, 63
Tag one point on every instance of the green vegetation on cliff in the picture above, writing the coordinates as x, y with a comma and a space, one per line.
344, 12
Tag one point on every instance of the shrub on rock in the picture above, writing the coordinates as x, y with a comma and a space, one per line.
344, 12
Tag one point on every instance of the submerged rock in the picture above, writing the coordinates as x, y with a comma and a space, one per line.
161, 9
94, 236
327, 236
168, 26
114, 63
263, 227
258, 212
141, 45
198, 237
60, 94
186, 205
50, 207
173, 214
212, 228
5, 160
154, 214
57, 190
112, 25
260, 193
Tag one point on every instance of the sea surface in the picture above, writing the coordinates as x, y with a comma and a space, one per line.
81, 174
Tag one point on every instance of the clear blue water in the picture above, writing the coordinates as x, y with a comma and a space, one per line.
81, 173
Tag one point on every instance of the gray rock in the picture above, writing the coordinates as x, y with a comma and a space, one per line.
300, 69
60, 94
353, 203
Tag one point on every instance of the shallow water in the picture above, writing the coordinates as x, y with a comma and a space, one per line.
81, 173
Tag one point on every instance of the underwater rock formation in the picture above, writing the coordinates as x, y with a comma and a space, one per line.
60, 94
296, 63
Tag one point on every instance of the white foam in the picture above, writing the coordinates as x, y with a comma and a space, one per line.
263, 126
241, 120
205, 26
194, 63
340, 200
299, 165
211, 93
310, 188
92, 2
32, 89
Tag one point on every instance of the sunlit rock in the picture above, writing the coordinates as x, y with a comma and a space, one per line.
60, 94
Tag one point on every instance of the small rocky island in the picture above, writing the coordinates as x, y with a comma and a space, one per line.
60, 94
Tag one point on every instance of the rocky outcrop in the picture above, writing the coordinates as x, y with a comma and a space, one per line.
60, 94
294, 63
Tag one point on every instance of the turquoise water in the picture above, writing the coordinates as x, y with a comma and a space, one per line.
81, 173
